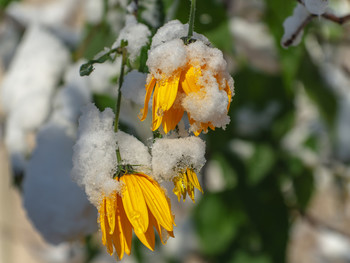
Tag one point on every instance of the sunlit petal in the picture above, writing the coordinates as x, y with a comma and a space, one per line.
156, 202
189, 80
134, 203
149, 89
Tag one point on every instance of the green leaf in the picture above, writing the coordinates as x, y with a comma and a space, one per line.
218, 218
244, 257
4, 3
86, 69
103, 101
303, 182
260, 164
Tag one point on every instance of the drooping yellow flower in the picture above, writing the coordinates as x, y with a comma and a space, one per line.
185, 184
168, 93
141, 206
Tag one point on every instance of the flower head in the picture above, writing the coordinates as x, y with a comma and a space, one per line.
141, 205
179, 161
191, 78
185, 183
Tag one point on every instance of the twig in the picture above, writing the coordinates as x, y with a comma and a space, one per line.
290, 41
339, 20
317, 223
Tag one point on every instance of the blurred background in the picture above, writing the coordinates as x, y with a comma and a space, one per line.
277, 180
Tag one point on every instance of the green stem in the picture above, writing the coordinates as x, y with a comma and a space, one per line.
119, 99
105, 11
191, 20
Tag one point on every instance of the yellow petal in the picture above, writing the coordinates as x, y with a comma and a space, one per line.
124, 225
229, 95
168, 90
163, 234
189, 80
110, 209
157, 113
189, 188
149, 89
194, 180
171, 118
102, 213
109, 242
156, 201
118, 235
147, 238
118, 242
177, 189
134, 203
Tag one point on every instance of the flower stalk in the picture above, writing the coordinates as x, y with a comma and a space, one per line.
119, 99
191, 20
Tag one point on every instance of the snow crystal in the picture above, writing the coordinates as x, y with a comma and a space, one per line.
133, 87
133, 152
137, 36
316, 7
57, 207
94, 159
172, 156
292, 24
166, 58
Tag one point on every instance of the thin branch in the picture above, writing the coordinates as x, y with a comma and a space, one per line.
317, 223
290, 41
339, 20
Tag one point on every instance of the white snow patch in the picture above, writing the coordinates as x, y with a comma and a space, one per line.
133, 87
172, 156
58, 208
94, 158
292, 23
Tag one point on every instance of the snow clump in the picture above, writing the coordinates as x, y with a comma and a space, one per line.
136, 34
173, 156
292, 24
94, 158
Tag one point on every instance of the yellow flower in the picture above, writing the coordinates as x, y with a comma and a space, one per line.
185, 183
168, 93
141, 206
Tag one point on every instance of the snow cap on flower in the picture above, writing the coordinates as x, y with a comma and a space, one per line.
167, 58
291, 25
316, 7
133, 152
174, 29
94, 159
211, 104
133, 87
172, 156
187, 77
136, 34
